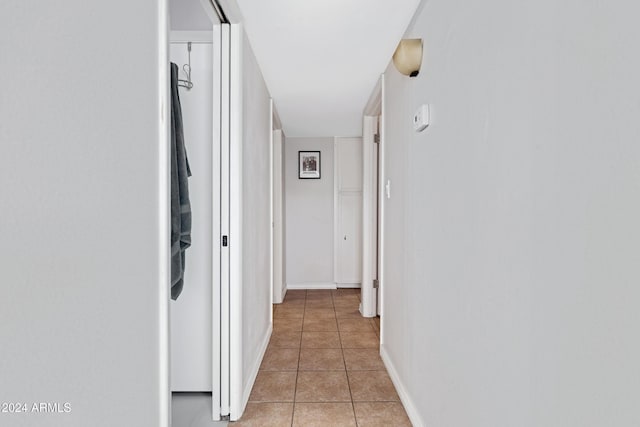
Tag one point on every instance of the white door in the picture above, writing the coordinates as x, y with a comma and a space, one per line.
372, 166
225, 224
348, 236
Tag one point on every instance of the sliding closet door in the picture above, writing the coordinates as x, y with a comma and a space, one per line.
223, 54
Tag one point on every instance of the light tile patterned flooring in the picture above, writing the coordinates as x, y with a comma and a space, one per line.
322, 367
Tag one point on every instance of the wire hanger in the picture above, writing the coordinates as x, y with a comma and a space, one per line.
188, 84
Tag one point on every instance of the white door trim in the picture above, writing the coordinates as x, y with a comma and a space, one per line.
381, 208
164, 219
277, 223
272, 255
216, 226
235, 224
335, 210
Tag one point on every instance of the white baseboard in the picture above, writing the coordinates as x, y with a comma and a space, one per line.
312, 285
348, 285
407, 402
254, 370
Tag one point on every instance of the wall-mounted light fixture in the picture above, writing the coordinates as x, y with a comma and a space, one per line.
408, 57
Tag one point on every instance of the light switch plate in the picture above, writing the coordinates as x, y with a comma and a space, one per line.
421, 118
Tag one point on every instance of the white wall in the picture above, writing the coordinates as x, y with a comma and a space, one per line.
512, 263
256, 226
189, 15
84, 193
309, 215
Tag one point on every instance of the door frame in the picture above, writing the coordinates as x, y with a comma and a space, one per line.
216, 229
224, 306
228, 366
272, 251
235, 221
373, 119
277, 209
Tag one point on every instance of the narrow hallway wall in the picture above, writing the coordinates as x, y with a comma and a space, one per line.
84, 187
309, 216
511, 270
256, 226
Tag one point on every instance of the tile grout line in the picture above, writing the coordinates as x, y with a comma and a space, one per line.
352, 402
295, 387
344, 361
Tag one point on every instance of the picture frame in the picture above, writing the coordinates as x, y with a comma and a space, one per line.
308, 164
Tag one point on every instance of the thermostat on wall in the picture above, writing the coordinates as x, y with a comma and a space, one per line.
421, 118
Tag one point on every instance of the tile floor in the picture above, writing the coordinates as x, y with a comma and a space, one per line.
322, 367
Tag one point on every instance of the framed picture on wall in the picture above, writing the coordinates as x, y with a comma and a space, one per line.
308, 164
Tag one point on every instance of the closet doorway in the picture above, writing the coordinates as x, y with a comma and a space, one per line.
200, 337
191, 313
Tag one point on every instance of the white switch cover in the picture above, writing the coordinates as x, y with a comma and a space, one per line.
388, 189
421, 118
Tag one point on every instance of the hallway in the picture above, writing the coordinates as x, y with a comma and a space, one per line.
322, 367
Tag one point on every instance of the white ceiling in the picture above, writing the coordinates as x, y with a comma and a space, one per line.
321, 59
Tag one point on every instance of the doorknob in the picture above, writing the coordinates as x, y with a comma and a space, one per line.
345, 237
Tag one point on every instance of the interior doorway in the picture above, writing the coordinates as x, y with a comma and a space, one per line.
373, 205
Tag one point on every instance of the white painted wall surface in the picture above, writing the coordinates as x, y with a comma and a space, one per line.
190, 15
84, 195
512, 263
191, 327
349, 157
256, 226
309, 215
